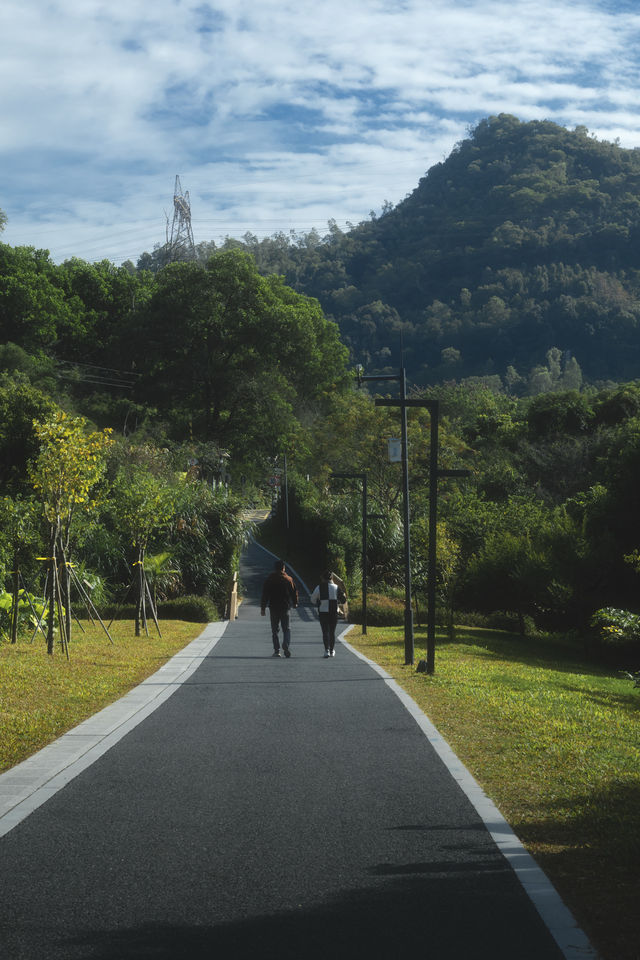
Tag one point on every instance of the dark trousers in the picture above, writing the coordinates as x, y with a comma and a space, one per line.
328, 622
280, 618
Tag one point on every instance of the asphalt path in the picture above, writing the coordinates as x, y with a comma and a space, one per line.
269, 808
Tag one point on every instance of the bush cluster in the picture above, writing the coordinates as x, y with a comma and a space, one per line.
617, 630
382, 611
191, 608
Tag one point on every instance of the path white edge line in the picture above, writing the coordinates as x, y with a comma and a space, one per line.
29, 784
558, 919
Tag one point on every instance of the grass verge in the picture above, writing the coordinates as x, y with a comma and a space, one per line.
42, 697
555, 743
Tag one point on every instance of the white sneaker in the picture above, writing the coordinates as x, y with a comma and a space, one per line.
276, 653
333, 653
326, 654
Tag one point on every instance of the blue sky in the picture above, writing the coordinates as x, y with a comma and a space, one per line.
276, 114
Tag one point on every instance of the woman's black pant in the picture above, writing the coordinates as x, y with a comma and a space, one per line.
328, 622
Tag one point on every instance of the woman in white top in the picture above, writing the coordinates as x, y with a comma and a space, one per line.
327, 595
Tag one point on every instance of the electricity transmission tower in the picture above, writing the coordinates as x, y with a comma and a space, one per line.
180, 244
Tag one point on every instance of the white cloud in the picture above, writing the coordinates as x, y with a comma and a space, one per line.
275, 109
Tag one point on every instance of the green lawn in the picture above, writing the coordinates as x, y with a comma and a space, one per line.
555, 742
42, 697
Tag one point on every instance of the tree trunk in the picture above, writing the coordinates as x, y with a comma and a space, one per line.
418, 615
52, 595
65, 584
141, 607
451, 627
138, 597
14, 607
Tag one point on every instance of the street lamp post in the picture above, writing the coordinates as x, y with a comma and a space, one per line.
435, 473
402, 403
365, 517
286, 494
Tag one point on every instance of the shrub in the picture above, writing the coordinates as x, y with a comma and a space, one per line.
30, 610
618, 628
382, 611
497, 620
192, 609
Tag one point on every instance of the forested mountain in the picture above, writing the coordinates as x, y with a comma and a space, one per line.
524, 239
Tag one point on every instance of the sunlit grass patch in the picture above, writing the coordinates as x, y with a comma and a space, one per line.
41, 697
555, 742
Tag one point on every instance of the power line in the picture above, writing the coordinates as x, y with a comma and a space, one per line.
93, 373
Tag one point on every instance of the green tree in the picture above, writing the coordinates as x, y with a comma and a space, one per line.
18, 520
206, 536
510, 573
236, 357
20, 405
107, 301
33, 307
69, 464
143, 504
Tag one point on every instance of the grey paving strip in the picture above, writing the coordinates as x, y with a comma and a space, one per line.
557, 917
31, 783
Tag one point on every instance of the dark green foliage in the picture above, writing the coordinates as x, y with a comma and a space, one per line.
322, 530
382, 611
616, 627
524, 239
20, 405
206, 364
205, 540
195, 609
190, 608
616, 637
545, 531
234, 357
559, 414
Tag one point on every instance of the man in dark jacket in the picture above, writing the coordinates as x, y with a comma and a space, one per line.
279, 594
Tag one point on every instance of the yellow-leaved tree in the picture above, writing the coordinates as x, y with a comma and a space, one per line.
69, 464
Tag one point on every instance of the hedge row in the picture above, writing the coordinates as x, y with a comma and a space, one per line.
192, 609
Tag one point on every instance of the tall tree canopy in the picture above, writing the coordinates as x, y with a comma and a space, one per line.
235, 357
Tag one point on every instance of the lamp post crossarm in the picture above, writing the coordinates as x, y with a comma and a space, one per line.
386, 402
454, 473
347, 476
384, 377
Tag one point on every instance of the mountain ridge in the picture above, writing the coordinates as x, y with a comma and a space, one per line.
523, 240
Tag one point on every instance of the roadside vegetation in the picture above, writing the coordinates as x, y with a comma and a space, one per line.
555, 742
